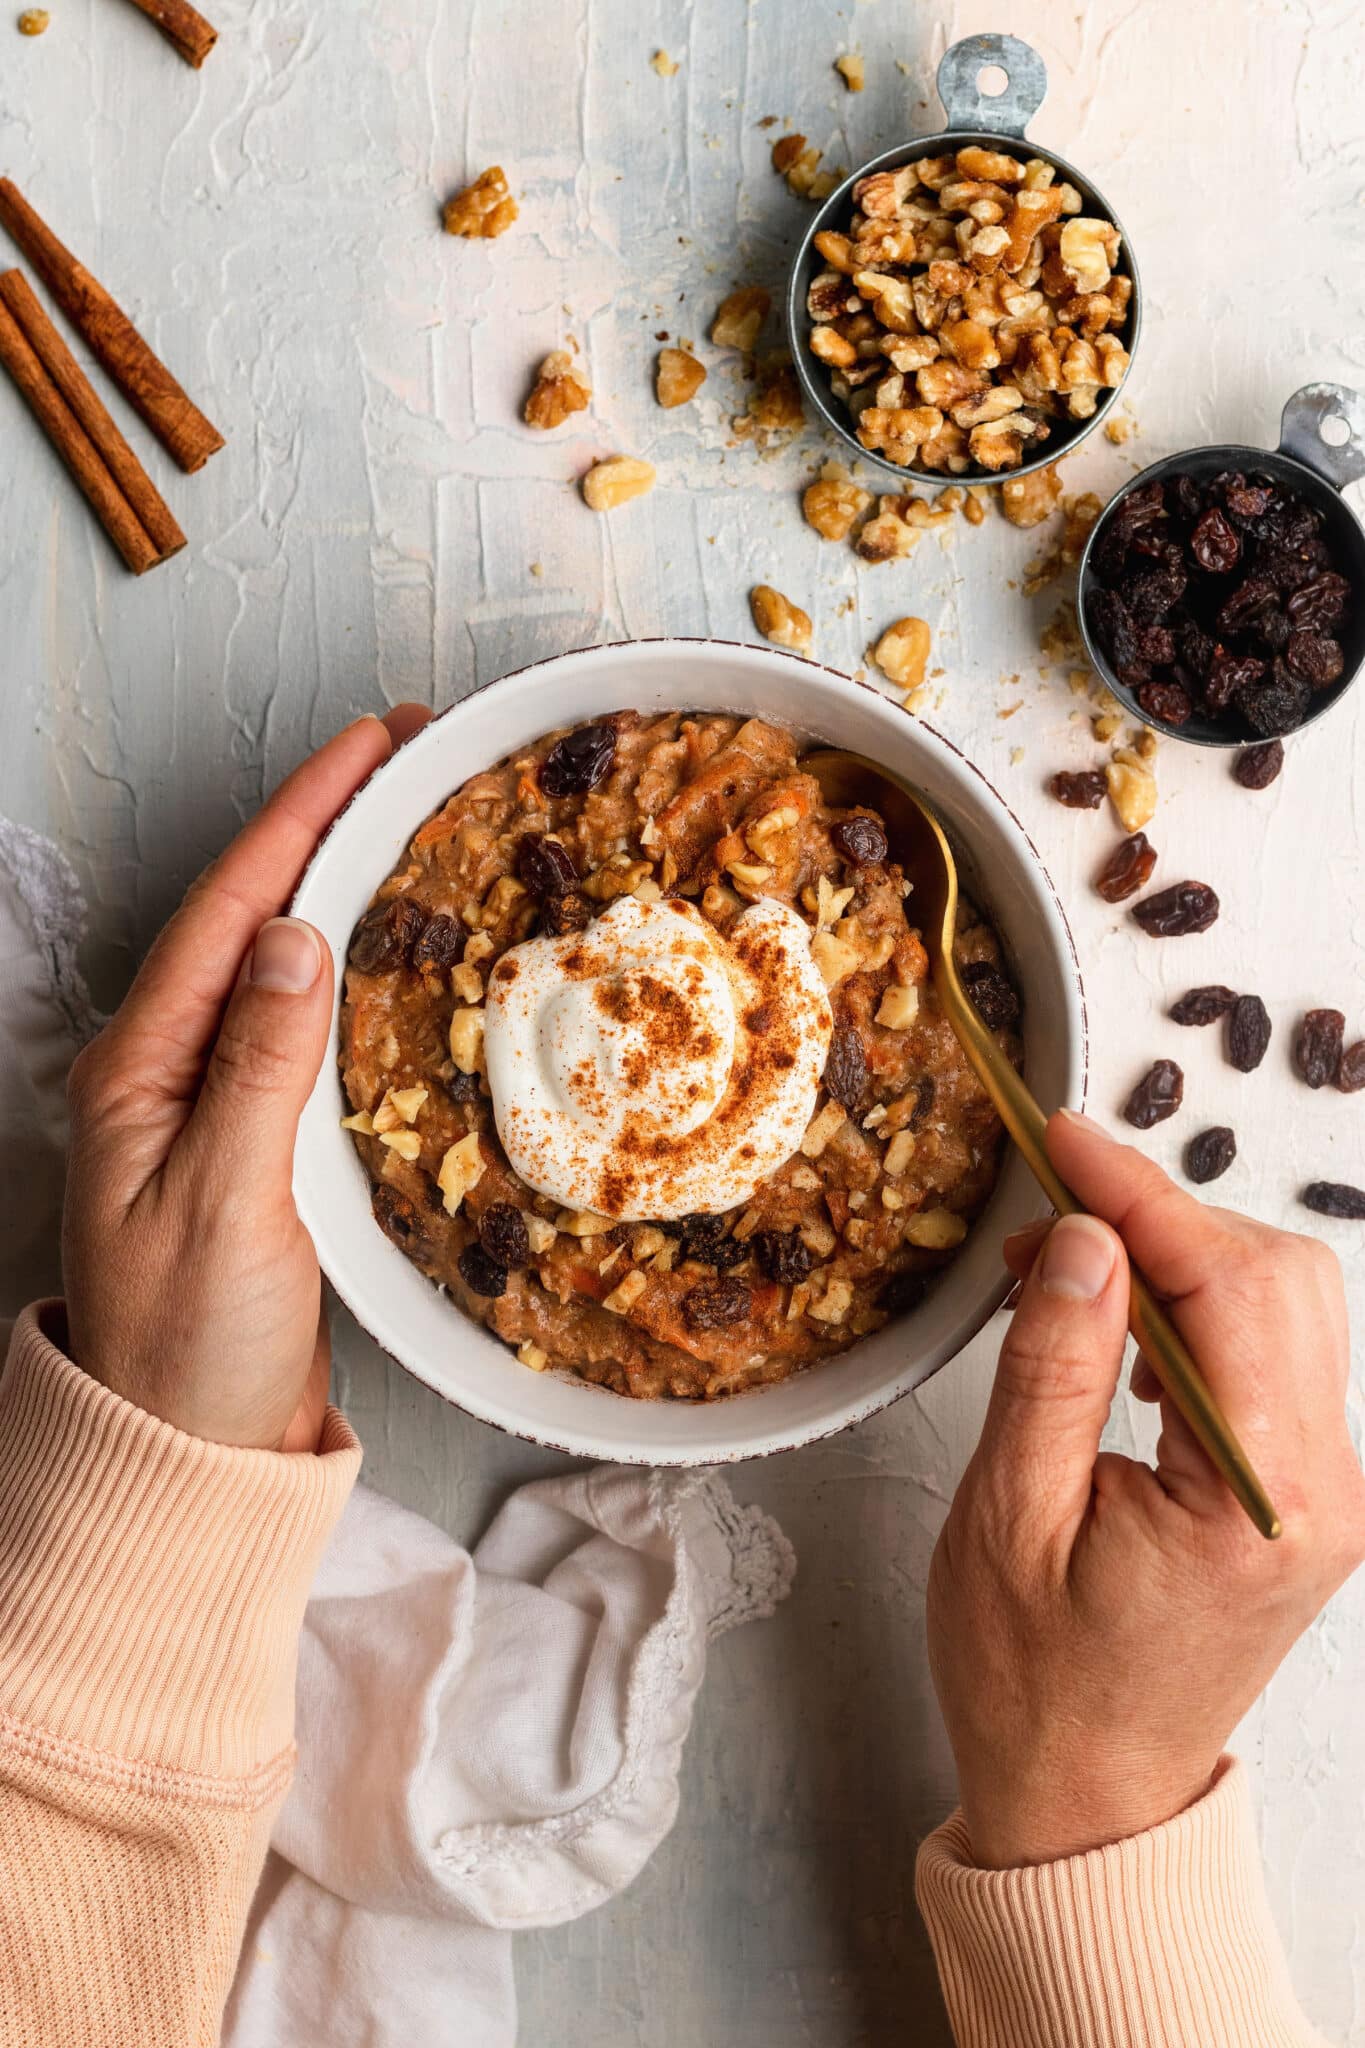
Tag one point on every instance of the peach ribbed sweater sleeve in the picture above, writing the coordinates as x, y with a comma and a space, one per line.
151, 1591
1163, 1941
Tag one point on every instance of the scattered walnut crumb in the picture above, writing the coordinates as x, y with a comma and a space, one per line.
33, 21
1106, 726
1120, 428
1016, 756
1132, 790
775, 410
537, 568
1029, 500
795, 160
481, 210
1080, 681
1145, 743
739, 319
779, 620
677, 377
1081, 513
1060, 639
560, 389
616, 480
974, 507
851, 70
663, 64
529, 1353
902, 653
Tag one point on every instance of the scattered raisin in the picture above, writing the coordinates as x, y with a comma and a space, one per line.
1209, 1156
1158, 1095
1128, 868
439, 943
926, 1088
579, 761
385, 936
846, 1067
1203, 1005
860, 840
903, 1291
570, 912
1215, 544
545, 865
1173, 913
1257, 767
1166, 701
996, 1003
503, 1235
1317, 1048
1248, 1033
713, 1303
1082, 790
1351, 1072
1334, 1198
1317, 659
482, 1275
783, 1255
397, 1217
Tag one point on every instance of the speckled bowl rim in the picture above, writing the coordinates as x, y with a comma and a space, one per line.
584, 1441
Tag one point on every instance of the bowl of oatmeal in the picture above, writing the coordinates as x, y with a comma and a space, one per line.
645, 1137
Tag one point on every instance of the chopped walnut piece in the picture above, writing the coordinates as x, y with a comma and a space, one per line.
834, 1303
466, 1040
938, 1230
851, 70
898, 1008
460, 1170
678, 378
822, 1127
1119, 428
400, 1106
467, 983
889, 537
482, 210
663, 64
1088, 247
530, 1354
775, 410
899, 1153
974, 508
616, 481
902, 653
540, 1233
582, 1222
1029, 500
33, 21
1132, 789
834, 504
624, 1296
835, 958
779, 620
362, 1122
407, 1144
560, 388
739, 319
1081, 513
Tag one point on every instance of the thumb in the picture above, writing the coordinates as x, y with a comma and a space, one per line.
266, 1057
1059, 1367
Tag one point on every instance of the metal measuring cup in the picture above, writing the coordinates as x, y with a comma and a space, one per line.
1318, 470
974, 118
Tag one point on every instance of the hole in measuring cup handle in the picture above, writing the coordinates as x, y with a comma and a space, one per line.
1323, 427
1334, 431
970, 104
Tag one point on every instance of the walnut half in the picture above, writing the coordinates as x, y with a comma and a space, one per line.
779, 620
481, 210
617, 480
560, 388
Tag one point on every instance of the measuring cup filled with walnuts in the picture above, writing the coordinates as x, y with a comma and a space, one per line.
1222, 594
965, 306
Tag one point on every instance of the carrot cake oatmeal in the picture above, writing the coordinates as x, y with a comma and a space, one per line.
646, 1068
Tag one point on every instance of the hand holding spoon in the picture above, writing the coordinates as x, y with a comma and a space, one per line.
918, 843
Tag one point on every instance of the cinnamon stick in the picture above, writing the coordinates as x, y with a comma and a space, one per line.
144, 380
147, 503
75, 447
181, 26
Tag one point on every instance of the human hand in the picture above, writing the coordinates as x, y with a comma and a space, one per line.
1097, 1628
192, 1289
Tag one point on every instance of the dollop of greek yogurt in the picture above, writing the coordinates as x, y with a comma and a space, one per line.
651, 1067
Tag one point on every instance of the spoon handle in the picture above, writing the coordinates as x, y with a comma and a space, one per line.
1162, 1345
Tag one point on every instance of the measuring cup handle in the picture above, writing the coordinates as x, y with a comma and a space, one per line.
1340, 462
1009, 112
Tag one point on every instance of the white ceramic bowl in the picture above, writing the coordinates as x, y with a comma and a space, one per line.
418, 1325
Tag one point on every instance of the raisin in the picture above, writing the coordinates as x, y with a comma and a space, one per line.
860, 840
385, 936
1157, 645
703, 1239
1273, 629
1288, 569
570, 912
482, 1275
1115, 629
1082, 790
1173, 913
1128, 869
1248, 1033
1334, 1198
1241, 610
1278, 704
1245, 502
503, 1235
1317, 1048
397, 1217
1215, 544
545, 865
1158, 1095
1209, 1156
1314, 657
439, 943
783, 1255
1203, 1005
996, 1003
846, 1067
1150, 597
1189, 498
713, 1303
1228, 674
1351, 1072
1196, 647
926, 1090
579, 761
462, 1087
1165, 701
1320, 605
1257, 767
902, 1292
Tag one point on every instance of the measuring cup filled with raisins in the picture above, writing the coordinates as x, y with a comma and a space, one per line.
1222, 594
966, 304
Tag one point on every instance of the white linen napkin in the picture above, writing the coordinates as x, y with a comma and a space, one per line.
486, 1742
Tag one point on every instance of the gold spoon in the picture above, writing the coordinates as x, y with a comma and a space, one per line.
917, 840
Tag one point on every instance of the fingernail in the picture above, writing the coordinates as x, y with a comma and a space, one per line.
1077, 1259
365, 718
286, 957
1086, 1124
1029, 1234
